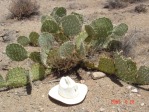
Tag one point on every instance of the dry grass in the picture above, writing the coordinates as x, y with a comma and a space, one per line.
23, 8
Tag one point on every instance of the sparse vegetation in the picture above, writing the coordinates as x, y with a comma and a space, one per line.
141, 8
23, 8
115, 4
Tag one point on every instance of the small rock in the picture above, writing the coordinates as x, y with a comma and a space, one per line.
138, 95
88, 73
134, 90
129, 87
98, 75
43, 96
142, 104
82, 81
102, 109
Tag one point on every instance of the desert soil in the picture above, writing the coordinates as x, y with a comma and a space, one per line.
101, 93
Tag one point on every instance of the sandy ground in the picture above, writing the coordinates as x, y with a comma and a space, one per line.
101, 92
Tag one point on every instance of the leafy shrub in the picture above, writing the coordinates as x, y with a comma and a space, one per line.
23, 8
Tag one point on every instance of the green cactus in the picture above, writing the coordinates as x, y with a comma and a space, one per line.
80, 38
43, 56
80, 17
71, 25
24, 41
2, 82
49, 26
102, 27
17, 77
126, 69
46, 17
58, 13
46, 41
82, 51
16, 52
61, 38
143, 75
35, 56
120, 30
106, 64
37, 72
114, 45
34, 38
67, 50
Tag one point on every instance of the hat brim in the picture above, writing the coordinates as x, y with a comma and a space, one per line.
82, 88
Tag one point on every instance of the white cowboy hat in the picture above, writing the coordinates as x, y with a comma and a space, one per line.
68, 91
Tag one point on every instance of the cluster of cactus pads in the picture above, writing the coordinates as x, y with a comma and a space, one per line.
65, 42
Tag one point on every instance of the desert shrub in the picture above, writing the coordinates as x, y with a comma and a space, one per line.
23, 8
133, 1
140, 8
115, 4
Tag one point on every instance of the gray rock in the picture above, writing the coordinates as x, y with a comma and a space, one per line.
98, 75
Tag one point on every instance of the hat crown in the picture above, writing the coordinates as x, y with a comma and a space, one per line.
68, 88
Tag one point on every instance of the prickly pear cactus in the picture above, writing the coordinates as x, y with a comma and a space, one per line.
37, 72
126, 69
34, 38
120, 30
49, 26
67, 50
106, 64
24, 41
17, 77
2, 82
80, 17
35, 56
16, 52
58, 13
46, 41
46, 17
143, 75
114, 45
102, 27
80, 38
71, 25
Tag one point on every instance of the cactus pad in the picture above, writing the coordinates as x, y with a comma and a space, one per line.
35, 56
2, 82
80, 38
106, 64
143, 75
58, 13
16, 52
120, 30
102, 27
37, 72
24, 41
46, 17
34, 38
67, 50
114, 45
126, 69
71, 25
80, 17
50, 26
17, 77
46, 41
